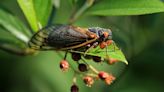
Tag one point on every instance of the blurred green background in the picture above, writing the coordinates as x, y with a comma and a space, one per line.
140, 37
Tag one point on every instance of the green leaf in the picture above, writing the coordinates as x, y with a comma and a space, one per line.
112, 51
36, 11
56, 3
27, 7
126, 7
14, 26
65, 7
10, 43
43, 9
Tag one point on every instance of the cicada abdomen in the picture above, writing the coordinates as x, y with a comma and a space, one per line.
38, 40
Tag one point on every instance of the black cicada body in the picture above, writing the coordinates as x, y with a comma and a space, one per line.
66, 37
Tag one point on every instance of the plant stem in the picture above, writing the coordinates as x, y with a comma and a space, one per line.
93, 69
51, 17
18, 51
86, 5
90, 66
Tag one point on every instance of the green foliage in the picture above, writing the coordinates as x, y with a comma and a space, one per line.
12, 46
112, 51
29, 11
140, 38
37, 12
43, 9
126, 7
56, 3
14, 26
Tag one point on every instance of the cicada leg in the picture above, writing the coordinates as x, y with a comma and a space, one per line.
106, 50
91, 47
80, 45
114, 46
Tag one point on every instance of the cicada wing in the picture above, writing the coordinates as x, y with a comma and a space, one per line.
66, 36
58, 37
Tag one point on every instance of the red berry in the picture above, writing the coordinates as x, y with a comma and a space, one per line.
103, 45
112, 61
88, 80
74, 88
109, 79
83, 67
64, 65
103, 75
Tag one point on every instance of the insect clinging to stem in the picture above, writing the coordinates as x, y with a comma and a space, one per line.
67, 37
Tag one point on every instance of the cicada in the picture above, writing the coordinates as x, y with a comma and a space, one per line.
77, 41
68, 37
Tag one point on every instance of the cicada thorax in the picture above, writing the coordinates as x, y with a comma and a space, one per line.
61, 37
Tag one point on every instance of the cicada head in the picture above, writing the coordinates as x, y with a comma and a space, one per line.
102, 33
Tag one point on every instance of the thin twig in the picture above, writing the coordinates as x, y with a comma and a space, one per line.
51, 17
75, 16
18, 51
91, 67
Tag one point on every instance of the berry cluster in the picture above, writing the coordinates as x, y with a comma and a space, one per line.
88, 72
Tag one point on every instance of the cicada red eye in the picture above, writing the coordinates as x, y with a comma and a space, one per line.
106, 34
